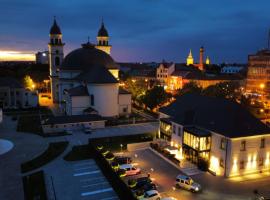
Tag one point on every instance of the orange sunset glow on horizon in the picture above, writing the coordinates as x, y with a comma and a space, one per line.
6, 55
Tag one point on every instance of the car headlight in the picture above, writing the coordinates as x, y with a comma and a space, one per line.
196, 188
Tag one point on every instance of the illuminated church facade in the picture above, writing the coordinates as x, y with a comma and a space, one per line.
86, 80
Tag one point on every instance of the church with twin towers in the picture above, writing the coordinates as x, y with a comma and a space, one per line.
85, 81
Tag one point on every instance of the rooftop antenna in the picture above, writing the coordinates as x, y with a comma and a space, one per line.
88, 39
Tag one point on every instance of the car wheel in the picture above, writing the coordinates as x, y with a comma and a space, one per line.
192, 190
177, 186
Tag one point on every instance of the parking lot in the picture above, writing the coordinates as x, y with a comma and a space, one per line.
81, 180
164, 174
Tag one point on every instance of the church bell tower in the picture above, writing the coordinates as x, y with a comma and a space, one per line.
56, 56
103, 40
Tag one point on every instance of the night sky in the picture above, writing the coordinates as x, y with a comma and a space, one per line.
141, 30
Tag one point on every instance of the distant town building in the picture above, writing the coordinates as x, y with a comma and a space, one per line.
14, 95
258, 76
200, 65
231, 69
218, 131
42, 57
86, 79
163, 71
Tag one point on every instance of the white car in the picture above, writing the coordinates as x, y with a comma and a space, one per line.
185, 182
130, 169
151, 195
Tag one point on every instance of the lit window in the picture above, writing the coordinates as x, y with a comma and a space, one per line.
221, 163
243, 146
261, 161
262, 143
222, 143
242, 165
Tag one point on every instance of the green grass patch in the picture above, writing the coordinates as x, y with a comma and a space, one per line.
79, 153
30, 124
34, 186
53, 151
114, 143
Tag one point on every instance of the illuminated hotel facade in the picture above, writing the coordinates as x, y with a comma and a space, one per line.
258, 77
221, 132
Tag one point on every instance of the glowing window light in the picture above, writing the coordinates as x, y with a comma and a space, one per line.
254, 163
235, 167
214, 165
249, 162
267, 161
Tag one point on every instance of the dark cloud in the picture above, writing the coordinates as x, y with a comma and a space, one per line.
142, 30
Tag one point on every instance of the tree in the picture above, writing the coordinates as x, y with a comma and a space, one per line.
155, 97
137, 88
229, 90
190, 87
28, 82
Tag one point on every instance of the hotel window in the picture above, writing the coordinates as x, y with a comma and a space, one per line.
262, 143
261, 161
174, 129
243, 146
221, 163
92, 100
242, 165
179, 131
222, 143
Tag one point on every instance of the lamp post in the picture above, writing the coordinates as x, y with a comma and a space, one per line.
121, 145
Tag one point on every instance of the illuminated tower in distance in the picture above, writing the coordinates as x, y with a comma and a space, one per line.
201, 58
190, 60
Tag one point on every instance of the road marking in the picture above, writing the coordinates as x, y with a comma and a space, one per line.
101, 183
109, 198
96, 192
86, 168
87, 173
91, 179
85, 163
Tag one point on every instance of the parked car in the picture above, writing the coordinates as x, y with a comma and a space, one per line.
142, 181
185, 182
130, 169
151, 195
123, 160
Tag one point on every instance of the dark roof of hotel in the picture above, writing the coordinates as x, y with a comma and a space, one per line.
10, 82
73, 119
97, 75
197, 131
215, 114
78, 91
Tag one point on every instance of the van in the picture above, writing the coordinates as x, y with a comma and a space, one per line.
187, 183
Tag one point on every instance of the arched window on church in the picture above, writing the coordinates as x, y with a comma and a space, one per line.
92, 99
57, 61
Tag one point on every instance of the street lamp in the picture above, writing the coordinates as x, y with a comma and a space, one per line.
262, 86
121, 145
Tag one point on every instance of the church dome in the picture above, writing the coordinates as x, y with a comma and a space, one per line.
87, 57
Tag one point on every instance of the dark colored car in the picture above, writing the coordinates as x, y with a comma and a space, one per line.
123, 160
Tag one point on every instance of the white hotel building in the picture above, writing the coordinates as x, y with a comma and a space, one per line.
219, 131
